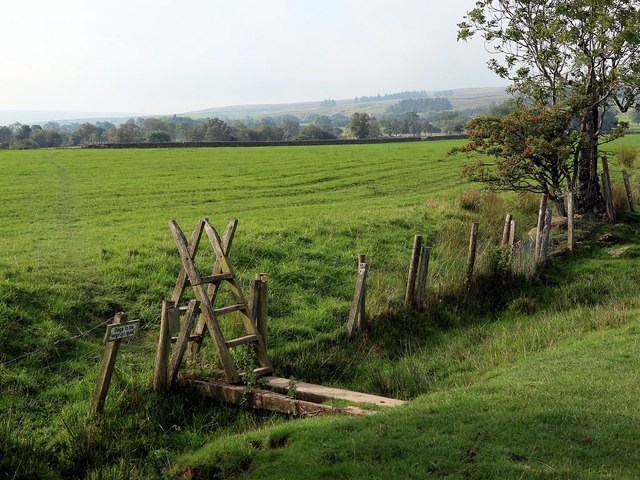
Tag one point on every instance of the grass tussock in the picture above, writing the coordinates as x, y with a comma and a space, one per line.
627, 155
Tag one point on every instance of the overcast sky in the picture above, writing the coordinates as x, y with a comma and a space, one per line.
172, 56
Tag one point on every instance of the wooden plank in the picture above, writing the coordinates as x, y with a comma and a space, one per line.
627, 186
541, 213
357, 299
161, 365
506, 229
422, 276
320, 393
192, 313
230, 308
194, 242
106, 369
183, 249
471, 260
214, 278
271, 401
409, 297
571, 242
247, 339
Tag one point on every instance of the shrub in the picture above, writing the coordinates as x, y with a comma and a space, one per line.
619, 193
627, 156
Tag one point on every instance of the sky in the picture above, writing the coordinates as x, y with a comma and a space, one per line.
174, 56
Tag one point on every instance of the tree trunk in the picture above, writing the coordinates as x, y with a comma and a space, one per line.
588, 190
560, 206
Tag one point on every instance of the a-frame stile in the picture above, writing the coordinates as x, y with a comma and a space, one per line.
206, 289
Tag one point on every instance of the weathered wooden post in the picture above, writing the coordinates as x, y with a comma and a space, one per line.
627, 186
506, 230
190, 316
512, 234
160, 369
546, 237
262, 312
541, 214
571, 242
118, 330
362, 317
353, 323
409, 297
422, 277
473, 245
608, 191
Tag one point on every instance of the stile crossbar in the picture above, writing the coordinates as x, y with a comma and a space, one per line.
206, 289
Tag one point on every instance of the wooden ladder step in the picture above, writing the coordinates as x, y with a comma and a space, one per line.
229, 308
191, 338
214, 278
263, 371
242, 340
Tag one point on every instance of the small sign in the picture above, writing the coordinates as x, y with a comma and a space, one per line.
121, 330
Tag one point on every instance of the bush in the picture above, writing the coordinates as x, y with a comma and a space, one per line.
627, 156
619, 193
470, 199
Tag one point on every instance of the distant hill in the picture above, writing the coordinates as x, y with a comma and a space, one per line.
461, 99
31, 117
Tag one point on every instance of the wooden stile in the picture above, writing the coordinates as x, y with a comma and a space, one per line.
183, 339
409, 297
627, 186
473, 245
161, 366
106, 369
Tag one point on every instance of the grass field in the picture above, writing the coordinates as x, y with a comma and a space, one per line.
85, 235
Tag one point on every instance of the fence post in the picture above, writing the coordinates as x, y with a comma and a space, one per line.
362, 317
541, 214
106, 369
409, 297
473, 245
263, 305
627, 186
422, 276
512, 234
357, 303
160, 369
546, 238
506, 230
571, 243
606, 186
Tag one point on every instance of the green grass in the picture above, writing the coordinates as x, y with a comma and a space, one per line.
85, 235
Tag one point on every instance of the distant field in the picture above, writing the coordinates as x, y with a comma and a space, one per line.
85, 235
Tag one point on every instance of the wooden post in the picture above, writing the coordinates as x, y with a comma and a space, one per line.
183, 339
409, 297
512, 234
473, 245
606, 185
106, 369
352, 321
160, 370
506, 230
362, 317
541, 214
262, 312
627, 186
422, 277
571, 242
546, 237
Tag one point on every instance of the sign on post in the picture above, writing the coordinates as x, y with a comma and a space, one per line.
120, 331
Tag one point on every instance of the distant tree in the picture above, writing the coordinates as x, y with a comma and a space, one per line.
360, 126
21, 132
328, 103
269, 133
503, 109
316, 132
128, 132
290, 127
6, 137
411, 123
391, 126
216, 130
420, 105
158, 136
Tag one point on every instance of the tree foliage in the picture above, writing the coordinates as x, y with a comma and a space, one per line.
581, 54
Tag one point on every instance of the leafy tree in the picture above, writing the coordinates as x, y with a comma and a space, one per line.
360, 126
316, 132
158, 136
217, 130
527, 150
582, 54
21, 132
290, 127
128, 132
6, 137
